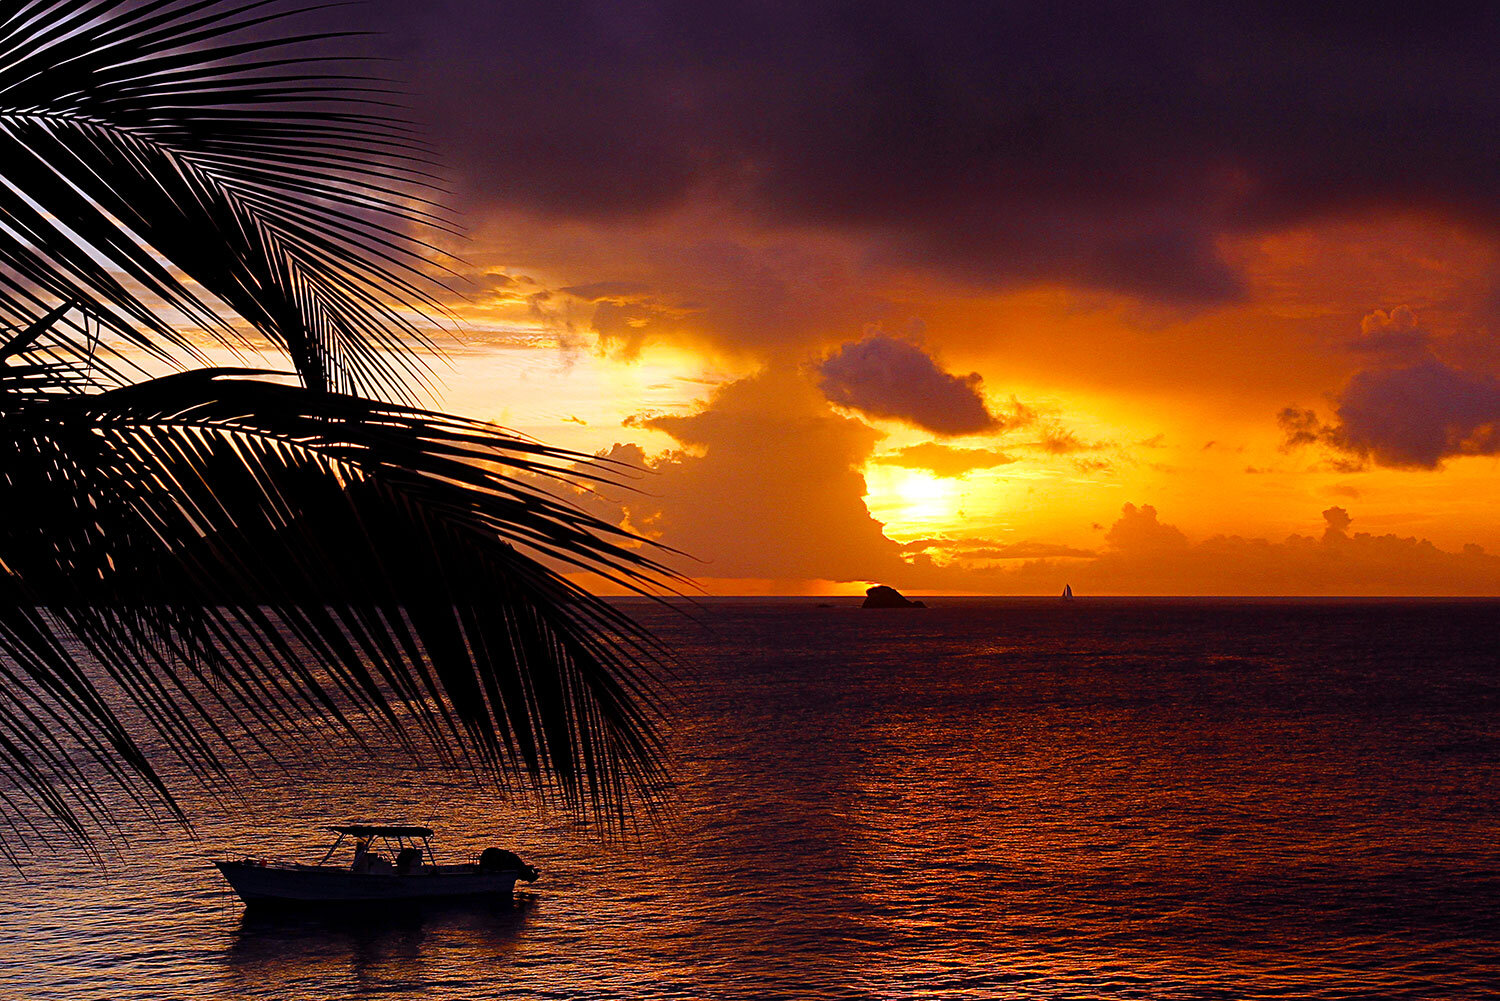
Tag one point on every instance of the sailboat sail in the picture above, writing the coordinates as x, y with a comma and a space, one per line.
1067, 591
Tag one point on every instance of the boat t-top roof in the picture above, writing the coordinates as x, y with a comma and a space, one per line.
382, 831
397, 833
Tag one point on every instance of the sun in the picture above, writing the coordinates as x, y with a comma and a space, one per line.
911, 502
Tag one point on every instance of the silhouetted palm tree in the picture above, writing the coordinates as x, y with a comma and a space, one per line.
247, 559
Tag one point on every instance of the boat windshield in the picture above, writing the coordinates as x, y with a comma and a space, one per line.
381, 840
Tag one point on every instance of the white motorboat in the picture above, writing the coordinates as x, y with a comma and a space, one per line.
391, 862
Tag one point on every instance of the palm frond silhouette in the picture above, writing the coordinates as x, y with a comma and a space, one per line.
137, 135
241, 556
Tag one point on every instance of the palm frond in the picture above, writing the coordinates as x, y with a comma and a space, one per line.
191, 153
249, 559
219, 563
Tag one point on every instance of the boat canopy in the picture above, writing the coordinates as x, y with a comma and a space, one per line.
382, 831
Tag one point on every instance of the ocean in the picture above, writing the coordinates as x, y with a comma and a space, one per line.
987, 798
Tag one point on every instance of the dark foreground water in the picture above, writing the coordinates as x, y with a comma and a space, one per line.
988, 799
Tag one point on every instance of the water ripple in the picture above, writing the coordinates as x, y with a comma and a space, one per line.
989, 799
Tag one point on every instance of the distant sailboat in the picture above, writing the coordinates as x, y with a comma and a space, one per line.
1067, 592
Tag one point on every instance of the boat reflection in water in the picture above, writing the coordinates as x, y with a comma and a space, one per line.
392, 862
402, 951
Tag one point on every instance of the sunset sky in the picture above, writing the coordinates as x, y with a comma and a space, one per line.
988, 298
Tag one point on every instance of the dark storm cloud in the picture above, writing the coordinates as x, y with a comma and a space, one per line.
1103, 144
1410, 416
1418, 415
1424, 400
887, 377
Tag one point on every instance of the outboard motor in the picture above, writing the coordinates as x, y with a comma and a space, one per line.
500, 860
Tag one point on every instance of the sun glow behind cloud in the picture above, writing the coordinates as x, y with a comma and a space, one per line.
1157, 270
1099, 402
911, 503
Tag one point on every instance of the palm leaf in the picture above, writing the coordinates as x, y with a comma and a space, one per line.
249, 559
188, 152
227, 563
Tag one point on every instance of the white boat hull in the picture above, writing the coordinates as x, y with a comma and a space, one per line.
287, 883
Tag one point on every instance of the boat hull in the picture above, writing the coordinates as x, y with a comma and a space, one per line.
282, 883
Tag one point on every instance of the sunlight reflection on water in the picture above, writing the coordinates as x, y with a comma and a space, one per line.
984, 799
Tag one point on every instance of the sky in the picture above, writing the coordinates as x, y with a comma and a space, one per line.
1149, 298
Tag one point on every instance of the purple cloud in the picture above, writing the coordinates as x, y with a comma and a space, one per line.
1411, 417
1395, 336
887, 377
1419, 415
1103, 144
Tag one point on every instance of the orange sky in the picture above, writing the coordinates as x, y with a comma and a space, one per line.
1160, 297
702, 364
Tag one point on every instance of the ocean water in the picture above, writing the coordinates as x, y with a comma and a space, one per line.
984, 799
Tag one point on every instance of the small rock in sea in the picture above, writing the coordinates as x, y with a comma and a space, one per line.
882, 596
